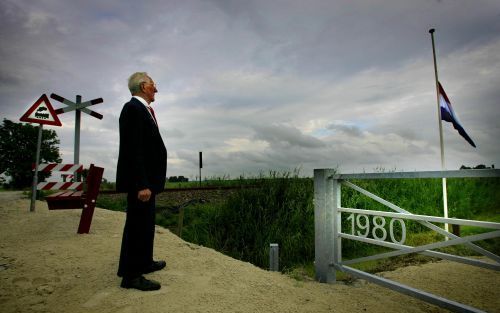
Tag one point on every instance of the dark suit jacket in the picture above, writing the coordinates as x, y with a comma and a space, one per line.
142, 160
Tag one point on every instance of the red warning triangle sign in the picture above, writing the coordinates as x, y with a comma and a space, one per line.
41, 112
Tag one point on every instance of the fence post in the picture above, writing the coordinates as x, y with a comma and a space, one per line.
274, 257
323, 225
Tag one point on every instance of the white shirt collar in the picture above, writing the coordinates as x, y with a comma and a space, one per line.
142, 100
147, 106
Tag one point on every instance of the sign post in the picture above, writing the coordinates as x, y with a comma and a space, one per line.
40, 112
201, 166
78, 118
35, 176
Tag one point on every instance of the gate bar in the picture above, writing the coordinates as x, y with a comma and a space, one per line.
424, 174
428, 297
417, 217
430, 253
418, 249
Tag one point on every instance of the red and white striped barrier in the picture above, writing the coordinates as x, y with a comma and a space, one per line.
60, 186
49, 167
58, 167
68, 177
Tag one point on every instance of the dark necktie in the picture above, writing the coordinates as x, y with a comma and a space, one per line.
153, 114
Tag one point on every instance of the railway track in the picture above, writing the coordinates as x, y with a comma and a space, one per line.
189, 189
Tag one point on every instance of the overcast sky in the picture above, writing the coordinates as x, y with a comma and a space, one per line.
264, 85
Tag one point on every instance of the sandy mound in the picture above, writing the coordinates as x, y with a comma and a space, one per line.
46, 267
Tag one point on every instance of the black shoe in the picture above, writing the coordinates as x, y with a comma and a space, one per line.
140, 283
155, 266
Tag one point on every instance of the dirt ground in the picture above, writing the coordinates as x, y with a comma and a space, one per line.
46, 267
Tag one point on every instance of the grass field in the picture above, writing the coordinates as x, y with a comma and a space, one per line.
242, 223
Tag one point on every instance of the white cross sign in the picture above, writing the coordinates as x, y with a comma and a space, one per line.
77, 106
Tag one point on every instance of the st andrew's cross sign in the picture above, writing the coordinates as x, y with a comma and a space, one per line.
78, 107
82, 106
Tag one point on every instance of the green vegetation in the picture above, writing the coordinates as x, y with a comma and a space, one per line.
116, 202
107, 186
280, 210
18, 144
224, 181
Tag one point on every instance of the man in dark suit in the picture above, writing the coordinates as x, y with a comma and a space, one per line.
141, 171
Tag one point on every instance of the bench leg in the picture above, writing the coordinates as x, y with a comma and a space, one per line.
86, 218
93, 183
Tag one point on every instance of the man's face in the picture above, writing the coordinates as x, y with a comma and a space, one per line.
149, 89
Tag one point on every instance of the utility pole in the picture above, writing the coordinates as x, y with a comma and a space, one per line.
201, 165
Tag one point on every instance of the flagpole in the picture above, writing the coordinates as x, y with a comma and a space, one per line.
443, 167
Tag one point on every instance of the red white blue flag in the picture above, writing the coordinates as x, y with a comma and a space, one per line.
447, 114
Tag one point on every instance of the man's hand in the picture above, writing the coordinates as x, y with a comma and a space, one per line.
144, 195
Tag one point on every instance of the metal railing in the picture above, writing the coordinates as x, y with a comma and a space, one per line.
329, 234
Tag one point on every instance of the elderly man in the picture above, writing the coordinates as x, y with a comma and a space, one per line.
141, 171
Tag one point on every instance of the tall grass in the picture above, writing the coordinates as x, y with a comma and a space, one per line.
281, 210
112, 202
467, 197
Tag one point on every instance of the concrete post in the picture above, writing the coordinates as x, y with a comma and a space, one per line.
274, 257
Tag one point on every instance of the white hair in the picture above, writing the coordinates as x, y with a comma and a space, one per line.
135, 80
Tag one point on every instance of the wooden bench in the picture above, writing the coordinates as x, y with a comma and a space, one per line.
80, 199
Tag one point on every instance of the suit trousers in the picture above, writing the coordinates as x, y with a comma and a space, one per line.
138, 237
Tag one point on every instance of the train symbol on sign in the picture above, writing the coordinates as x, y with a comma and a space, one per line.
39, 113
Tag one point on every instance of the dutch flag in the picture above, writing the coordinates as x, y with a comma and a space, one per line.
447, 114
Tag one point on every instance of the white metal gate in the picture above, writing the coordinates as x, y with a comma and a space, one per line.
329, 234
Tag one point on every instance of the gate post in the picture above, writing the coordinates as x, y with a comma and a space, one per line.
324, 224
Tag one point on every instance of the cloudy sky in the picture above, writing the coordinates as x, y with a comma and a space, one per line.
264, 85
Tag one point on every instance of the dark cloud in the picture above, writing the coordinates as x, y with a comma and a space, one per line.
262, 85
350, 130
175, 133
287, 136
